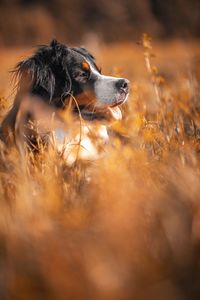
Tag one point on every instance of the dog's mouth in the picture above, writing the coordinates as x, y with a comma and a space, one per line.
115, 111
108, 113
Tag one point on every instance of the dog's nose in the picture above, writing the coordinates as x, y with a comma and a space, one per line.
123, 85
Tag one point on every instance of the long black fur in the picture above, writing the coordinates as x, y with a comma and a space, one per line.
50, 76
49, 71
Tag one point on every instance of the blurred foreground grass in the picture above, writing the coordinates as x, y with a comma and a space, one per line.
128, 225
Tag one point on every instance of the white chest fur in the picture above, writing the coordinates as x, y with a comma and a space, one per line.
86, 144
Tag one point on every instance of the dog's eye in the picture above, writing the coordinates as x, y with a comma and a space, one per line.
82, 76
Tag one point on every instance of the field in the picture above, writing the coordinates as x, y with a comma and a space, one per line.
126, 226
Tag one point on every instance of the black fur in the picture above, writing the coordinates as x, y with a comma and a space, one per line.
53, 71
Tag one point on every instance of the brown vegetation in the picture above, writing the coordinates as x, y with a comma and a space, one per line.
126, 226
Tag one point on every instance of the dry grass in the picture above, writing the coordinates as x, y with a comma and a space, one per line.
126, 226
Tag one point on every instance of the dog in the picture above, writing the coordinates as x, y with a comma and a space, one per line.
56, 79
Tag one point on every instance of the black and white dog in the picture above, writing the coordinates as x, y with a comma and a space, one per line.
54, 77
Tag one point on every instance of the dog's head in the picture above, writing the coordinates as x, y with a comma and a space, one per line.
57, 72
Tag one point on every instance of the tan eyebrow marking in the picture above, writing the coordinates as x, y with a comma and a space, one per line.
85, 66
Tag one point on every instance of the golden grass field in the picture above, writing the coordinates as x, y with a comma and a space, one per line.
126, 226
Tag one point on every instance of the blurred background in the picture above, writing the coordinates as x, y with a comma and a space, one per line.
28, 22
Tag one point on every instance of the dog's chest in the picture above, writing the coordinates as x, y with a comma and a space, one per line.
87, 144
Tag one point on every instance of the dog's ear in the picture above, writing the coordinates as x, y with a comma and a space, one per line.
47, 72
39, 74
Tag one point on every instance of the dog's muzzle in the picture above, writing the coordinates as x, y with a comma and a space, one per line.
110, 91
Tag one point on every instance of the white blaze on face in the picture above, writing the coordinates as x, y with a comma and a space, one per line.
104, 88
107, 94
